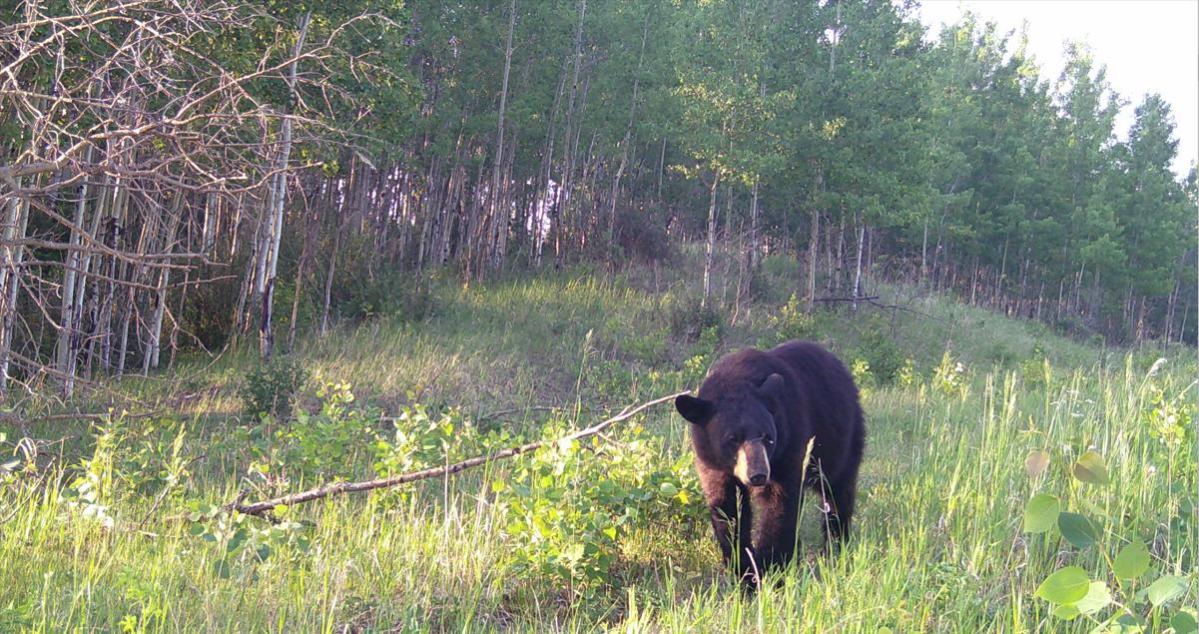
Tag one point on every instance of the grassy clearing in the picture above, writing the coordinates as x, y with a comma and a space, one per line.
100, 535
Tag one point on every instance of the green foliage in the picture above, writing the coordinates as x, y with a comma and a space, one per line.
1090, 469
1041, 513
862, 376
393, 294
1168, 419
567, 512
689, 318
1066, 586
317, 445
1132, 561
949, 377
1075, 592
906, 375
421, 439
91, 493
885, 358
1077, 530
270, 389
240, 549
1036, 371
792, 322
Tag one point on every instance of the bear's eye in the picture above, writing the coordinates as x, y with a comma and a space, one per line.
733, 438
768, 440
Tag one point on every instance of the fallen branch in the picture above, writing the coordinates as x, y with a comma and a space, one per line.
264, 507
867, 298
53, 418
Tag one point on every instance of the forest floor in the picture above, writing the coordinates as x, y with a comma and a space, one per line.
115, 522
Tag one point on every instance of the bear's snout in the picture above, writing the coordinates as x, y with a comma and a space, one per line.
753, 464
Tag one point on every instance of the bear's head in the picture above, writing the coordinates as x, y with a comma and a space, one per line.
736, 428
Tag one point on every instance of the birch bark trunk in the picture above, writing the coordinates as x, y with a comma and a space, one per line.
277, 195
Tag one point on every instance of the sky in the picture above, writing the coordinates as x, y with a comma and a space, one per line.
1147, 46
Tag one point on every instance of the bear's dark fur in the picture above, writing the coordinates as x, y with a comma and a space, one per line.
750, 427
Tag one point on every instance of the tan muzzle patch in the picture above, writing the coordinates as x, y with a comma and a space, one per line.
753, 466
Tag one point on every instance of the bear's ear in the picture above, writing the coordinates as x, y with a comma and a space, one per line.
695, 410
772, 386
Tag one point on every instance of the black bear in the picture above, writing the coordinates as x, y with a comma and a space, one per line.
751, 423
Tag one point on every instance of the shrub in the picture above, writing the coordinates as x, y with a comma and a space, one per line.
1036, 370
1001, 354
1117, 597
689, 318
791, 322
860, 369
907, 376
641, 234
270, 388
392, 294
884, 356
567, 513
950, 377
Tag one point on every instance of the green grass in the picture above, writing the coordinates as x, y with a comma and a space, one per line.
938, 542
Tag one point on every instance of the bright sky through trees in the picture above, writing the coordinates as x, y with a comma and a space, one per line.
1148, 46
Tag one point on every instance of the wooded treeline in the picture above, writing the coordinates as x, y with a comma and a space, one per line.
178, 172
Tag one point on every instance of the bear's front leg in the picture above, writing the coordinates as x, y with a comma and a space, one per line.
732, 519
777, 508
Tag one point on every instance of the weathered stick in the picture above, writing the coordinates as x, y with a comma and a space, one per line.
865, 298
338, 488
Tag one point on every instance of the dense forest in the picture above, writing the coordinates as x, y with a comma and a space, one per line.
180, 174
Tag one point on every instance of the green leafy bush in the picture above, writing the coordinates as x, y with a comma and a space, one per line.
241, 548
1116, 597
568, 511
907, 376
862, 376
270, 389
949, 377
1036, 370
689, 317
792, 322
393, 294
882, 353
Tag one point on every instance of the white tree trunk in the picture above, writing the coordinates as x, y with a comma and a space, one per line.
269, 266
711, 247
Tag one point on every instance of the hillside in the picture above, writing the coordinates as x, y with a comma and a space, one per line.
115, 521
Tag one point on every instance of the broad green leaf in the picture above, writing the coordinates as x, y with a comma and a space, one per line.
1090, 469
1166, 588
1068, 585
1036, 463
1098, 597
1123, 624
1091, 508
1132, 561
1067, 612
1077, 530
1184, 623
1041, 513
572, 553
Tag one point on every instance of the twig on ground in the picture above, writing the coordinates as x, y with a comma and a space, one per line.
264, 507
868, 298
519, 410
